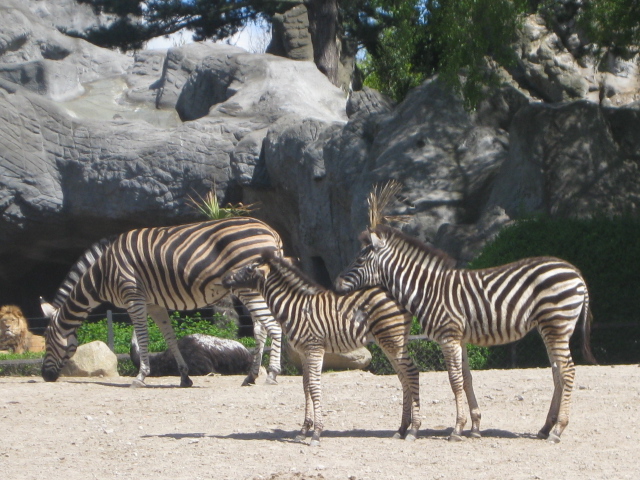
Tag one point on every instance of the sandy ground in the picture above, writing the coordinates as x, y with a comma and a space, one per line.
99, 428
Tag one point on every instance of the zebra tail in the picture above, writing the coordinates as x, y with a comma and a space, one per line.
587, 319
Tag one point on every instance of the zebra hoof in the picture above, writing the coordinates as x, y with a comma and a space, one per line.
271, 381
249, 382
186, 382
314, 443
137, 384
475, 434
300, 439
553, 438
455, 438
543, 435
410, 437
397, 436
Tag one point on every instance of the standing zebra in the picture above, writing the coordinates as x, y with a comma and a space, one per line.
151, 270
317, 320
486, 307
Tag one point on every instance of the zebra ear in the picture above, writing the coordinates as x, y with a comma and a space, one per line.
48, 309
376, 241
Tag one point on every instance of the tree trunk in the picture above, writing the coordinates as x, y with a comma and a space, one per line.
323, 27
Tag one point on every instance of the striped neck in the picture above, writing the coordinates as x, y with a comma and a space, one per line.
411, 271
287, 290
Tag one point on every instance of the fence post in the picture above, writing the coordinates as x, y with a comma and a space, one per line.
110, 329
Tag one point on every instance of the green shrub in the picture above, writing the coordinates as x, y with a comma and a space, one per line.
607, 251
22, 369
426, 355
219, 326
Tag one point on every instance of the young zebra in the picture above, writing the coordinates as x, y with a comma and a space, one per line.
484, 307
317, 320
151, 270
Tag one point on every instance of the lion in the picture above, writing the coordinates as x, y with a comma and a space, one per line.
14, 332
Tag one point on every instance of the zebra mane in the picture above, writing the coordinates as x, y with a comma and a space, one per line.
387, 231
88, 258
292, 275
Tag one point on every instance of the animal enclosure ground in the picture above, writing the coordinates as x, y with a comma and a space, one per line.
81, 428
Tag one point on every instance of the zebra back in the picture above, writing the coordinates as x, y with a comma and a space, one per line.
344, 322
180, 267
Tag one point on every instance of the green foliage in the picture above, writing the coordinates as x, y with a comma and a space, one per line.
220, 326
21, 369
207, 19
210, 207
397, 42
470, 35
426, 355
607, 252
612, 24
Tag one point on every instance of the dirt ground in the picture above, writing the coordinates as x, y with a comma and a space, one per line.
81, 428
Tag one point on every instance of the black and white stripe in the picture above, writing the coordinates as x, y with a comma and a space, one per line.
317, 320
150, 270
483, 307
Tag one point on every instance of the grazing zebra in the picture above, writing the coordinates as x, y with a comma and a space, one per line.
150, 270
317, 320
486, 307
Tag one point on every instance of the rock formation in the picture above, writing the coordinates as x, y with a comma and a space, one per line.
92, 359
204, 354
94, 142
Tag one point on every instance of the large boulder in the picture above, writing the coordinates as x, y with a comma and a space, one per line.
93, 359
357, 359
38, 57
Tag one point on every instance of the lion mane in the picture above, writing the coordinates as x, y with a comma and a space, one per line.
14, 332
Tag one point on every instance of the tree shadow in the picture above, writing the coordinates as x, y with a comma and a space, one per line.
488, 433
288, 436
176, 436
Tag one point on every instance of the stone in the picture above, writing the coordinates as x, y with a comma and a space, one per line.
564, 161
93, 359
290, 37
358, 359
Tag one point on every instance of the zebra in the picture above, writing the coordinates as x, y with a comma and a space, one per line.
150, 270
317, 320
486, 307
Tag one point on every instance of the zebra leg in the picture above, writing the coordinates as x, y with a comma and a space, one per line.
314, 366
260, 335
471, 396
263, 320
141, 337
161, 317
308, 404
410, 380
452, 351
274, 330
563, 370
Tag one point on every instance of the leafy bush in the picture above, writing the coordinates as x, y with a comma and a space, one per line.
426, 355
607, 251
21, 369
219, 326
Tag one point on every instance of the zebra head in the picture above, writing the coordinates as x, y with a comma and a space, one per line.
364, 271
61, 344
246, 277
